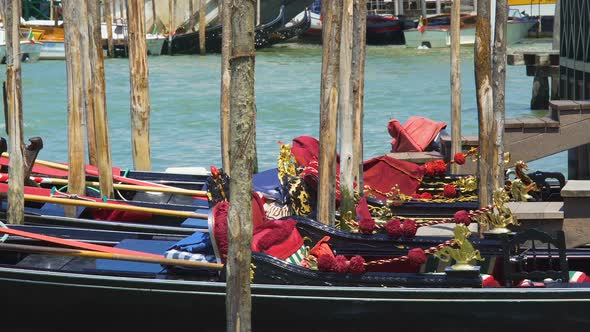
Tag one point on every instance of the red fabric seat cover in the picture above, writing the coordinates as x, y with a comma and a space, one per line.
415, 135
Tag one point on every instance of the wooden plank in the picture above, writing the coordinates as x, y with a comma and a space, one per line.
550, 123
584, 104
542, 71
560, 105
358, 85
513, 123
515, 59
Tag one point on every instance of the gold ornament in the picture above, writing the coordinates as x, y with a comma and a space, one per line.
462, 250
499, 216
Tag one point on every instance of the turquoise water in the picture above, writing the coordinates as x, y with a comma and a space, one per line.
184, 92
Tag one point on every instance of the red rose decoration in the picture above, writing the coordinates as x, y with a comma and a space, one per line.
449, 191
430, 169
326, 263
441, 167
356, 265
367, 225
426, 195
409, 228
394, 228
341, 264
459, 158
462, 217
417, 256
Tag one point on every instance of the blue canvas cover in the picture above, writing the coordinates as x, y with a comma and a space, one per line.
267, 183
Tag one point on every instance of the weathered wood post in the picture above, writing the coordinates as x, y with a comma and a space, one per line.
483, 88
225, 83
172, 6
98, 96
456, 141
202, 26
332, 20
139, 77
73, 32
358, 86
87, 76
154, 18
122, 11
191, 17
499, 93
16, 198
345, 106
108, 19
243, 139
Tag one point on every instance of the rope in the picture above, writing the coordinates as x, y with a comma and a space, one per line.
428, 251
472, 214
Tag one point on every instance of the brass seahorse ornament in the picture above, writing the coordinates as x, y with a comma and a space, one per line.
462, 251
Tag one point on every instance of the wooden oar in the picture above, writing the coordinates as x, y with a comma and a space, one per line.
128, 181
132, 187
107, 255
111, 206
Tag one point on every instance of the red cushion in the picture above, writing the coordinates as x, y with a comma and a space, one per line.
415, 135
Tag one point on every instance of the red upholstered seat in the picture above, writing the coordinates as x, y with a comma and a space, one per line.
415, 135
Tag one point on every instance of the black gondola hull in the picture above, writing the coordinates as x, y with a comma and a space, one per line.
52, 299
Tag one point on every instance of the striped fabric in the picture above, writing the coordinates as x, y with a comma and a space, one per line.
275, 210
184, 255
577, 276
298, 256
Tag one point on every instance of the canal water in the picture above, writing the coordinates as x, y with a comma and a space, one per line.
184, 92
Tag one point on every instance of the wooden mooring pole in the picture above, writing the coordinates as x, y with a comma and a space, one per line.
358, 86
191, 17
172, 6
332, 20
499, 93
154, 17
88, 77
202, 26
139, 77
243, 140
456, 141
16, 200
224, 6
98, 95
483, 88
108, 18
345, 106
73, 15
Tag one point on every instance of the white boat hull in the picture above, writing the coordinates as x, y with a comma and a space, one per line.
155, 44
30, 52
51, 50
437, 38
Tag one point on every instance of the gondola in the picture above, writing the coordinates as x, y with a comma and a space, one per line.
289, 30
268, 33
283, 294
188, 43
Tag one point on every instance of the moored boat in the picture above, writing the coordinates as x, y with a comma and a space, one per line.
384, 30
30, 50
435, 31
60, 280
